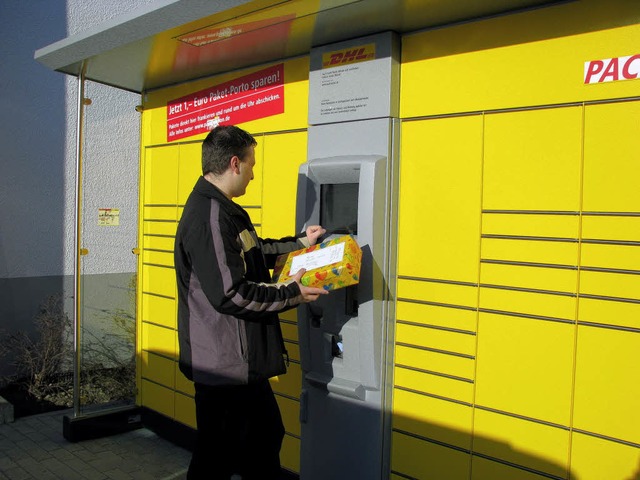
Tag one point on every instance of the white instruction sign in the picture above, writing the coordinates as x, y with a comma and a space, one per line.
318, 258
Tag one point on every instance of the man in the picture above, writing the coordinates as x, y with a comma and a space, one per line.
228, 327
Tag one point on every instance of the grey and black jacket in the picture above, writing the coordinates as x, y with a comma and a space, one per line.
228, 327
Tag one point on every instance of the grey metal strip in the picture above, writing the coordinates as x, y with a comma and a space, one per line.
609, 327
436, 327
284, 395
437, 280
157, 250
528, 290
437, 304
157, 265
433, 372
605, 437
431, 440
609, 299
611, 214
436, 350
522, 417
532, 212
610, 270
595, 241
521, 109
528, 264
159, 220
526, 315
515, 465
531, 238
158, 295
431, 395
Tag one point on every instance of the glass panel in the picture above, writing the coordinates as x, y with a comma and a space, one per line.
108, 236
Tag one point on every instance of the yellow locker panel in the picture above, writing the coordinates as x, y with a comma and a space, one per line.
534, 57
184, 385
623, 257
611, 166
161, 175
290, 410
157, 397
159, 340
521, 442
185, 410
537, 278
415, 458
158, 369
289, 331
596, 459
155, 257
167, 228
436, 315
531, 225
444, 340
624, 314
607, 383
435, 361
432, 418
532, 160
442, 386
440, 191
525, 367
485, 469
619, 285
290, 453
159, 310
611, 227
528, 303
290, 383
158, 242
160, 214
189, 170
533, 251
255, 213
283, 154
159, 280
449, 293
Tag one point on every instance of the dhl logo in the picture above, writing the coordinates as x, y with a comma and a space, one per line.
349, 55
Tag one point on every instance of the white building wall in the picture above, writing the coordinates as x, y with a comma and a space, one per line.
38, 116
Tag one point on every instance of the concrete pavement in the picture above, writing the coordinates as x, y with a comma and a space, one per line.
33, 448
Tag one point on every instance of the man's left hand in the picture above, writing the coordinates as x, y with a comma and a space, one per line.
314, 232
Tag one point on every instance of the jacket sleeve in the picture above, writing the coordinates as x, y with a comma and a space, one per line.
218, 264
273, 248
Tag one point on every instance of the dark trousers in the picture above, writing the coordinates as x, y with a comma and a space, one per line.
240, 431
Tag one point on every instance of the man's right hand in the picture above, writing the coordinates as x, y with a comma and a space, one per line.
309, 294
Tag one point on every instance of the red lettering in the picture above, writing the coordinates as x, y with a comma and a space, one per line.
626, 73
595, 67
610, 71
336, 58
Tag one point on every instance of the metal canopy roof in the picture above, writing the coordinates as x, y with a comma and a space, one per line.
173, 41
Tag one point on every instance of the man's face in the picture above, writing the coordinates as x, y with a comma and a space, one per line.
246, 170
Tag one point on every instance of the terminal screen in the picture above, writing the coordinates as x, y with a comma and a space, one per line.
339, 207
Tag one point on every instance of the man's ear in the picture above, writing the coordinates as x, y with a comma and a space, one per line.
234, 163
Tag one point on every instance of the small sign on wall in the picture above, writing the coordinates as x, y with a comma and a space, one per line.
108, 217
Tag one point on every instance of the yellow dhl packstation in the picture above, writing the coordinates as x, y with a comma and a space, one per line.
510, 332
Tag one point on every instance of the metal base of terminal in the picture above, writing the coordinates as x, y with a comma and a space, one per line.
101, 424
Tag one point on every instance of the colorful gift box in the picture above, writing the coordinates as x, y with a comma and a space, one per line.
330, 265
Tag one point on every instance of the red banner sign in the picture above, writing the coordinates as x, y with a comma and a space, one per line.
254, 96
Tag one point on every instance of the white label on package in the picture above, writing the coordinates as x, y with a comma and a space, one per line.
318, 258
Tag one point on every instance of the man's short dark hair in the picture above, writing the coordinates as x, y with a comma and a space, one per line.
222, 143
